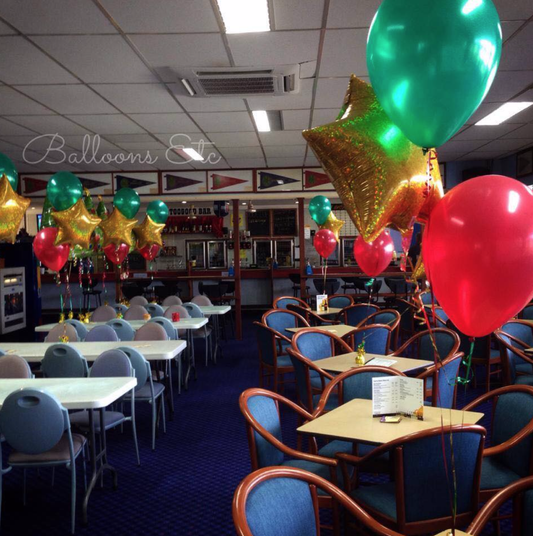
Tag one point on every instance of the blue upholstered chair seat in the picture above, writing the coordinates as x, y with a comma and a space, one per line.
316, 382
380, 497
429, 382
332, 403
145, 392
80, 420
363, 449
496, 475
284, 361
524, 380
59, 453
318, 469
524, 368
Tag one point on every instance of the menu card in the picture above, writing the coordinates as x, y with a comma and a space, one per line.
396, 394
321, 303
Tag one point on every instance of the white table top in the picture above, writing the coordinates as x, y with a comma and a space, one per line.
75, 393
184, 323
33, 352
211, 309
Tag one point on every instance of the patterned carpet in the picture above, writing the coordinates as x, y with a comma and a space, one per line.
183, 488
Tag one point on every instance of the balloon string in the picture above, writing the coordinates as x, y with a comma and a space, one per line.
80, 279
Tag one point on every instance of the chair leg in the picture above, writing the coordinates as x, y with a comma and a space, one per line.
134, 428
24, 486
154, 418
164, 415
72, 496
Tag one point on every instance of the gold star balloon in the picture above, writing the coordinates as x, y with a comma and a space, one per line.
117, 229
333, 224
149, 233
12, 209
75, 225
382, 179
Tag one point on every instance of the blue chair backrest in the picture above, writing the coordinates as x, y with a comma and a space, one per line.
102, 333
426, 298
265, 412
141, 367
281, 503
280, 321
266, 344
315, 345
427, 492
154, 309
339, 301
167, 326
443, 341
282, 304
359, 385
33, 421
80, 328
513, 411
376, 339
111, 364
64, 361
512, 358
2, 352
522, 332
193, 310
357, 313
120, 308
447, 378
527, 312
122, 328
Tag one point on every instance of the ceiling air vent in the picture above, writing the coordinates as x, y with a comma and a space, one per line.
240, 81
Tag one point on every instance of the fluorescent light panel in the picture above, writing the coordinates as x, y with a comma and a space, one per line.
261, 120
244, 16
193, 154
504, 112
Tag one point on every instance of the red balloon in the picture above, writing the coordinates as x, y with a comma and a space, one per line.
478, 252
325, 242
149, 252
53, 257
116, 254
374, 257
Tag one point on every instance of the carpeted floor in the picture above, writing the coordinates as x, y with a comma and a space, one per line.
183, 488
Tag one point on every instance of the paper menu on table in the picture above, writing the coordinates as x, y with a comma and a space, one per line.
397, 394
381, 362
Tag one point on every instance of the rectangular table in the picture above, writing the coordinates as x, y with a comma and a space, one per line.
344, 362
329, 311
353, 421
340, 329
77, 394
184, 323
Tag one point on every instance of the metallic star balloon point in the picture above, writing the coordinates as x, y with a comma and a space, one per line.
75, 225
333, 224
149, 233
12, 210
117, 229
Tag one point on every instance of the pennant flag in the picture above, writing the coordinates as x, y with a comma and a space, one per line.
32, 185
130, 182
269, 180
174, 182
91, 183
223, 181
312, 179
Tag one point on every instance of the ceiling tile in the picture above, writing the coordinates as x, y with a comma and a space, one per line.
485, 132
69, 99
38, 143
479, 155
344, 52
515, 53
285, 137
223, 121
311, 160
166, 123
295, 119
56, 17
330, 92
295, 101
504, 145
92, 143
163, 16
97, 58
21, 62
14, 103
108, 124
463, 146
135, 166
522, 132
241, 152
322, 116
291, 16
509, 27
5, 29
246, 162
350, 14
210, 104
7, 128
50, 124
285, 151
274, 48
234, 139
284, 162
141, 147
485, 108
216, 163
139, 98
129, 138
167, 53
515, 10
184, 140
507, 84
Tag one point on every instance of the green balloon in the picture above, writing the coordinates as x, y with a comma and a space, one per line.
8, 169
431, 63
158, 211
127, 201
64, 189
320, 208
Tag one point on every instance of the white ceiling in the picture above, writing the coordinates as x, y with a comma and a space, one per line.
109, 67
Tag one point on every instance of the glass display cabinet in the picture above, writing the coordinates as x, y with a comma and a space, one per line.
217, 258
284, 253
348, 258
196, 253
262, 253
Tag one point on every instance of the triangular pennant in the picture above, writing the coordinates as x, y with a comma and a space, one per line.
175, 182
91, 183
223, 181
312, 179
269, 180
130, 182
32, 185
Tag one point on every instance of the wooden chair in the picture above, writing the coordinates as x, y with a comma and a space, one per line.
312, 318
378, 338
353, 315
443, 378
340, 301
280, 320
283, 301
389, 317
290, 497
517, 366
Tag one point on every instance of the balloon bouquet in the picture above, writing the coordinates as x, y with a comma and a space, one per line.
427, 79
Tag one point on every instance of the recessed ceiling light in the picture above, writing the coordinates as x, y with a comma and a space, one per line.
504, 112
261, 120
183, 202
297, 202
193, 154
243, 204
33, 208
244, 16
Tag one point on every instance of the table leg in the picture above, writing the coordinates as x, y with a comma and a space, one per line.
170, 389
192, 359
217, 345
96, 470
